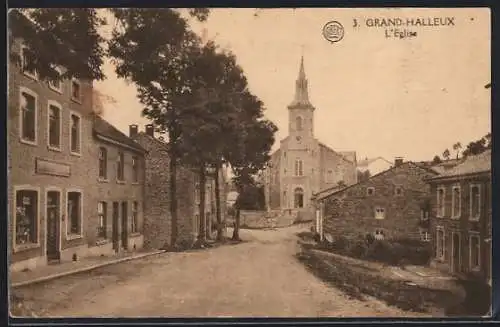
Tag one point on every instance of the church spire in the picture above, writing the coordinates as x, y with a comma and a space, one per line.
301, 90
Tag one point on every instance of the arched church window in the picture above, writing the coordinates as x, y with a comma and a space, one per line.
298, 196
298, 123
299, 168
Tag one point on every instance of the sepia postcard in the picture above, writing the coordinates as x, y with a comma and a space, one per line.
223, 162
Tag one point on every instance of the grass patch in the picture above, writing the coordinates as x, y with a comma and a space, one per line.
357, 282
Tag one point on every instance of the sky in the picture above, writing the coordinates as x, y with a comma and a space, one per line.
378, 96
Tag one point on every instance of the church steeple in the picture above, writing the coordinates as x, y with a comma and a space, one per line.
301, 90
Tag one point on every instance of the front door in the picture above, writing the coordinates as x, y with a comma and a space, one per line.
456, 252
53, 225
124, 225
116, 221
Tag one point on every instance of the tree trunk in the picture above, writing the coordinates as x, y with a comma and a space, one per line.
202, 234
236, 231
173, 200
217, 204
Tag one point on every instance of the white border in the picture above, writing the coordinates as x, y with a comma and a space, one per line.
440, 258
456, 215
59, 106
452, 257
61, 208
118, 180
66, 220
22, 90
25, 73
16, 188
99, 177
475, 218
370, 188
77, 100
61, 82
441, 213
375, 212
471, 235
71, 113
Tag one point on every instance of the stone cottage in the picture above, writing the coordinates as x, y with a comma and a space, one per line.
392, 205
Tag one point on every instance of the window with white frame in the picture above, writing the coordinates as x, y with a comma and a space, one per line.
75, 136
135, 217
424, 235
370, 191
440, 202
398, 191
56, 83
26, 217
135, 169
379, 234
197, 193
103, 163
424, 214
76, 91
74, 220
475, 202
379, 213
54, 126
298, 123
28, 59
102, 214
440, 243
299, 167
456, 202
475, 252
29, 108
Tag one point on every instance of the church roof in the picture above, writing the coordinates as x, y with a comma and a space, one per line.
301, 90
349, 156
368, 161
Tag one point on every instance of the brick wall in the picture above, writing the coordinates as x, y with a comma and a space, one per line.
352, 212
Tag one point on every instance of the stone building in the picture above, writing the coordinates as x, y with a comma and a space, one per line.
158, 221
392, 205
53, 170
461, 218
303, 165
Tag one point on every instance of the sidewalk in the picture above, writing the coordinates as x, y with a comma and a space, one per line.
53, 271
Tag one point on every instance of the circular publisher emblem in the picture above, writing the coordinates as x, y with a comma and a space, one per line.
333, 31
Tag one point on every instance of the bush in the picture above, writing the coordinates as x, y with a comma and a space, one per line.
358, 248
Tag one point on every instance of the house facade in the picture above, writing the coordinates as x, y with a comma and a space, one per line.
303, 165
157, 218
461, 218
391, 205
53, 171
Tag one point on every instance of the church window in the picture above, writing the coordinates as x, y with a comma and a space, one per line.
298, 123
299, 167
284, 197
298, 195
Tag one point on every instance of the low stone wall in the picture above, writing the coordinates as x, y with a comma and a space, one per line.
266, 219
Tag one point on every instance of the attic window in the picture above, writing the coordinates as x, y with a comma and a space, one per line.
370, 191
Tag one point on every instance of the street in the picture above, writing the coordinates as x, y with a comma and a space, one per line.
257, 278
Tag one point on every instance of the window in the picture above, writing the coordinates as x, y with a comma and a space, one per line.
284, 171
135, 169
27, 62
284, 197
74, 220
26, 217
424, 236
102, 214
440, 243
370, 191
398, 191
298, 123
103, 163
54, 126
298, 198
379, 213
455, 202
284, 154
197, 193
475, 202
298, 167
56, 84
424, 214
475, 252
75, 130
28, 116
120, 167
440, 202
76, 90
135, 218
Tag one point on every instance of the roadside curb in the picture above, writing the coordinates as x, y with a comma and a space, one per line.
83, 269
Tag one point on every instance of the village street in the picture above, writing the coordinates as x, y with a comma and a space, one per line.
259, 277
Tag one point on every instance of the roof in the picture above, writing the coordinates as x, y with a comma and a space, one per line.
105, 129
342, 154
476, 164
334, 190
369, 161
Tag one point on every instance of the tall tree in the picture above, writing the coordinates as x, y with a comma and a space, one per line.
436, 160
457, 147
478, 146
446, 154
153, 48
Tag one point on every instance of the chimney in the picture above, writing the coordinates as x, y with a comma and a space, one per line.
150, 130
132, 130
398, 161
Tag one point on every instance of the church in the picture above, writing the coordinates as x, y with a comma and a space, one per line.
303, 166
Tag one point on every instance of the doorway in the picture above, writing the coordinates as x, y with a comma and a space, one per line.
53, 225
114, 228
125, 225
455, 252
